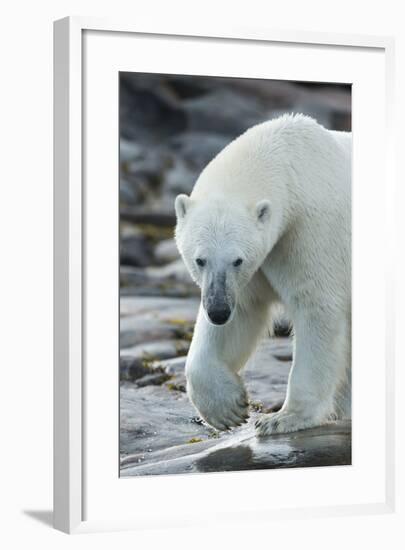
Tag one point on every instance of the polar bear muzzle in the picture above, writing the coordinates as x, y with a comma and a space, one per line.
216, 300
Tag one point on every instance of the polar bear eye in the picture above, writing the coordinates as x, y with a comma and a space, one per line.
237, 262
200, 262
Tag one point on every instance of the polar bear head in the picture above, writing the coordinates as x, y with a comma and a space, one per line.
222, 244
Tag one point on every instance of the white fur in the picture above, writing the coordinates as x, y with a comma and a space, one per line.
278, 197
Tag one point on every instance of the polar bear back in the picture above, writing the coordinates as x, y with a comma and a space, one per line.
292, 155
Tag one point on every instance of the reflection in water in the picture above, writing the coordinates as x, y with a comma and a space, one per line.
224, 460
279, 452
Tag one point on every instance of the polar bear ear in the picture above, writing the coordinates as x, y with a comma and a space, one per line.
181, 205
263, 211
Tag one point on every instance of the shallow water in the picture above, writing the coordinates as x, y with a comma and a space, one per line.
161, 432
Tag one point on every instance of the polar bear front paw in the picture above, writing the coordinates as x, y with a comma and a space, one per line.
284, 422
220, 399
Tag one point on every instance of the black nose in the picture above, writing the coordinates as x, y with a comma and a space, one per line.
219, 316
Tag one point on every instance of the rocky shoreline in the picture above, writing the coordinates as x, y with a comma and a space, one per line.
170, 128
160, 431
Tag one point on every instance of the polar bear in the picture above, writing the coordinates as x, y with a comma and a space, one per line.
269, 221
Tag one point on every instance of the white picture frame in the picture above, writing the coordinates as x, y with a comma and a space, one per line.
72, 248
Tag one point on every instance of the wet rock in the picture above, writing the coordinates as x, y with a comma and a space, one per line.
166, 410
328, 445
160, 436
153, 417
324, 446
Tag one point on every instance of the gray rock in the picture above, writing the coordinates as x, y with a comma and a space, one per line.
185, 86
174, 270
152, 351
175, 290
155, 217
273, 95
129, 150
172, 126
174, 367
149, 331
145, 328
328, 445
133, 368
168, 413
166, 251
146, 319
146, 114
266, 377
179, 385
149, 164
160, 433
136, 251
128, 229
215, 112
160, 307
180, 178
155, 417
197, 149
153, 379
169, 280
129, 194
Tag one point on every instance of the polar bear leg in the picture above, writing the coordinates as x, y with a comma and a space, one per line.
343, 399
216, 356
319, 369
343, 394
